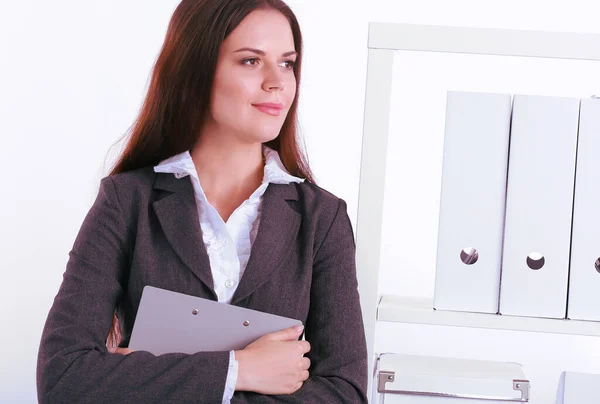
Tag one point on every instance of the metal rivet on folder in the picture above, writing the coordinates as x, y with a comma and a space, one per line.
598, 265
246, 323
195, 311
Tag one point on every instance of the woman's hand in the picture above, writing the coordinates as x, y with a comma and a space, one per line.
122, 351
274, 363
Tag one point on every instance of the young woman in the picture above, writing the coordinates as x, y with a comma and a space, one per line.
213, 197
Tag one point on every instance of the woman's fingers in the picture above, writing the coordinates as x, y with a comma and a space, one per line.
305, 363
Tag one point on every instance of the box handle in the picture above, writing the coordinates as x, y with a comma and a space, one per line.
383, 378
523, 387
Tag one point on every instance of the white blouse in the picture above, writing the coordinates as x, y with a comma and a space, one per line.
228, 244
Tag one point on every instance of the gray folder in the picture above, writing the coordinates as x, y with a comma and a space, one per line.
168, 322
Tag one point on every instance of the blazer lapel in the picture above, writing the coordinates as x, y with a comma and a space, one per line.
278, 228
178, 217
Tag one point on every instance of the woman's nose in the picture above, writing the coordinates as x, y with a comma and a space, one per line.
273, 85
273, 81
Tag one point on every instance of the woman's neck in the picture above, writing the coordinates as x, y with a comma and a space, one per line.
229, 172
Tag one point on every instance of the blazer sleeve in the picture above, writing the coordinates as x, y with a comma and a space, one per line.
334, 326
73, 362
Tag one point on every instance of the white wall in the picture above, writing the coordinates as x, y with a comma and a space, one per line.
72, 76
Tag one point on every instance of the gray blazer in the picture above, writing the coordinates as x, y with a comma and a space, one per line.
143, 229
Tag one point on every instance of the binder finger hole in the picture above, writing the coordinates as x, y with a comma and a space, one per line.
535, 261
598, 265
469, 255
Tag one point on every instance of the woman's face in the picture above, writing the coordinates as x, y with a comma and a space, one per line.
254, 83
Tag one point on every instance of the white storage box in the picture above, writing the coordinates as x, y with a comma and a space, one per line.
409, 379
539, 206
578, 388
471, 223
584, 298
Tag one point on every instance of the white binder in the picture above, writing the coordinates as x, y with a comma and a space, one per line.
541, 174
472, 202
584, 286
578, 388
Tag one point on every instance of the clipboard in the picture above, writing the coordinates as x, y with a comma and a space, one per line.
170, 322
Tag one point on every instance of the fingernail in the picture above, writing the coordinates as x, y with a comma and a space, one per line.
299, 328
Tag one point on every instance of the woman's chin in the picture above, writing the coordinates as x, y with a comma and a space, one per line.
263, 136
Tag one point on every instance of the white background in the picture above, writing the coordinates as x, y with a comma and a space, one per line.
72, 78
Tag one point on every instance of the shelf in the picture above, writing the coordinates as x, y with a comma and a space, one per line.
420, 311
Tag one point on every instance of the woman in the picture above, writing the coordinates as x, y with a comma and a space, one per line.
212, 197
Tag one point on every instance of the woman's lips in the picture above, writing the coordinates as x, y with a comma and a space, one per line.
269, 108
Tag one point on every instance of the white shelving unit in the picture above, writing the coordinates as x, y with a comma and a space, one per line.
384, 40
420, 311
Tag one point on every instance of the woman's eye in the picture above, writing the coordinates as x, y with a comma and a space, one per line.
250, 62
289, 64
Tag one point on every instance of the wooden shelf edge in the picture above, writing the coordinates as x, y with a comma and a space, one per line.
415, 310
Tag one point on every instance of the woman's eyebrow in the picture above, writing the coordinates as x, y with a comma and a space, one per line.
262, 53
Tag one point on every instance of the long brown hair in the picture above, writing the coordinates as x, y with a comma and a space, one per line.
179, 93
